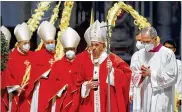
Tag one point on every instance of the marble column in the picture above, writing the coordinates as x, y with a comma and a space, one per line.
164, 19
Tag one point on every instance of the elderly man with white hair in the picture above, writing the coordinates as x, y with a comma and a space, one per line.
155, 72
93, 76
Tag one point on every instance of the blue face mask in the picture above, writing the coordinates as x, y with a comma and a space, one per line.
70, 54
26, 47
50, 47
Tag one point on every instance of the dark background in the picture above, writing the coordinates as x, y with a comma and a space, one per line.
165, 16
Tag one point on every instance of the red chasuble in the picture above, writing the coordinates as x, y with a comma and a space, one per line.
63, 74
14, 75
119, 92
43, 61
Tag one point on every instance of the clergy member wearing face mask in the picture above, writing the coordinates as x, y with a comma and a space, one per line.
134, 93
19, 60
43, 61
156, 74
93, 76
63, 95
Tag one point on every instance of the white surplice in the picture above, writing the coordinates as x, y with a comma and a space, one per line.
135, 90
178, 85
10, 90
157, 91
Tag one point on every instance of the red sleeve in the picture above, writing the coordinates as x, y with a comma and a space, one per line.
122, 82
35, 74
4, 84
11, 79
56, 81
79, 70
4, 81
37, 69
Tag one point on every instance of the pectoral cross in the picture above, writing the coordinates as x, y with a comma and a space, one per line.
51, 61
26, 62
96, 62
95, 72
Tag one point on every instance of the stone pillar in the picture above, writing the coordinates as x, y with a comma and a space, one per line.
164, 19
14, 12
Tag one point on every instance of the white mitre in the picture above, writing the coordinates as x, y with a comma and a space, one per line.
70, 38
22, 32
96, 32
87, 37
103, 26
6, 33
46, 31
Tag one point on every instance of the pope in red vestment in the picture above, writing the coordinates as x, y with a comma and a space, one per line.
93, 76
64, 96
17, 72
44, 59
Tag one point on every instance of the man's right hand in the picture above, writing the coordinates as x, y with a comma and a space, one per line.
92, 84
131, 98
20, 90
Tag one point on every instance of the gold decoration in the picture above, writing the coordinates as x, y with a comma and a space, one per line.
52, 20
115, 11
64, 23
176, 101
92, 17
55, 13
26, 76
139, 21
34, 21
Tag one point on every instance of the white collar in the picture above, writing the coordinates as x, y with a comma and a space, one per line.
20, 51
102, 57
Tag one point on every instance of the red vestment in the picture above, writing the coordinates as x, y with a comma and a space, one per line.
16, 67
4, 95
43, 61
119, 92
63, 74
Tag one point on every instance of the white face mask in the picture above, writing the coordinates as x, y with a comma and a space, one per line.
149, 47
139, 45
70, 54
50, 47
26, 47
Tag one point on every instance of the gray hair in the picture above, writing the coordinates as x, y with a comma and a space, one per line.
150, 30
